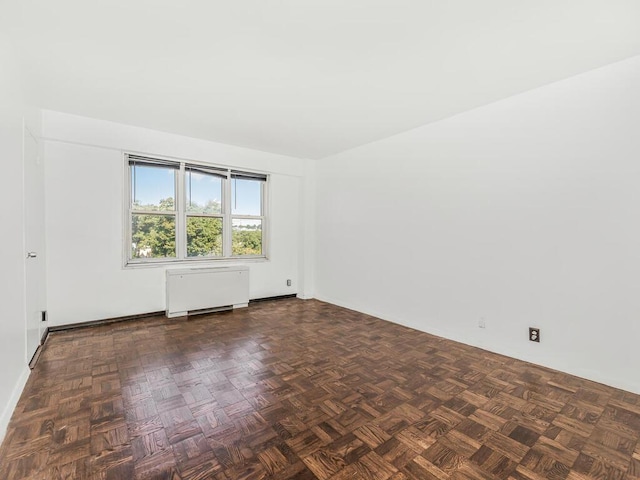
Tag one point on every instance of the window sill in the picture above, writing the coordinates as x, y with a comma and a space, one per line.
204, 262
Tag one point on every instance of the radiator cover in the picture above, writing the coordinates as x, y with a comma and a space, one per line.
201, 289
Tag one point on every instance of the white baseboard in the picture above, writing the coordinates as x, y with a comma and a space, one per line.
303, 296
13, 401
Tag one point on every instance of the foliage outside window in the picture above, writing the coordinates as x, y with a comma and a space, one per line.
182, 211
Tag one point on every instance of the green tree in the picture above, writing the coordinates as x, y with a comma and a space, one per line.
154, 235
247, 242
204, 236
212, 206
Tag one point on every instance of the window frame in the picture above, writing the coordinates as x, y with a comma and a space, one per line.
181, 214
223, 206
261, 217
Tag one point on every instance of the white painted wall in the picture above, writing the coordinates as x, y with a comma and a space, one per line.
84, 193
13, 370
308, 232
524, 212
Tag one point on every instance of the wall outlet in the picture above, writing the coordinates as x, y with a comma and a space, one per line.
288, 282
482, 323
534, 334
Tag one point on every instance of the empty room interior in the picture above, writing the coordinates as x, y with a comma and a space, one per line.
262, 239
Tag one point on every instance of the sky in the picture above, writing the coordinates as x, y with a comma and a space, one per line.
153, 184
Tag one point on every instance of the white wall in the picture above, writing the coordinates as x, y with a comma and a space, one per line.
14, 370
85, 194
524, 212
308, 231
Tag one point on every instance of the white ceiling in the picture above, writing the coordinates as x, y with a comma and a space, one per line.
308, 78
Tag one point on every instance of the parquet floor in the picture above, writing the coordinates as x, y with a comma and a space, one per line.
303, 389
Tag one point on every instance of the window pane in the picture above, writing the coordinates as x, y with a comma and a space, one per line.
153, 188
204, 192
204, 237
153, 236
246, 197
246, 237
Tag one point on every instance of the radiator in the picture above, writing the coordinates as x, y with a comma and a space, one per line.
191, 290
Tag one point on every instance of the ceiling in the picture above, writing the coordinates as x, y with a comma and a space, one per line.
307, 78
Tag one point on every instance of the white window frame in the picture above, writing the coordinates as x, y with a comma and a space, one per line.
223, 207
233, 217
181, 214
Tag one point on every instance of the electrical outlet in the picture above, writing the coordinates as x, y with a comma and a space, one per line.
482, 323
534, 334
288, 282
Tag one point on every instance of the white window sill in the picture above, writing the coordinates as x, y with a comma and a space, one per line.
203, 262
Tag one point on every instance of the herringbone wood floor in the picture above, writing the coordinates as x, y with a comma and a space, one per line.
303, 389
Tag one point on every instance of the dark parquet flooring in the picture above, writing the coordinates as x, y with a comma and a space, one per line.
303, 389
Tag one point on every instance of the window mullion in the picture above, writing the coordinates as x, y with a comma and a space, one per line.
204, 215
153, 212
248, 217
263, 214
181, 222
226, 222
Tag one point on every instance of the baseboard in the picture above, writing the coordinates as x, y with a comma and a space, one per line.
276, 297
36, 357
106, 321
303, 296
576, 371
45, 335
356, 308
13, 401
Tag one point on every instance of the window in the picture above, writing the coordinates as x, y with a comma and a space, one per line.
180, 211
204, 213
247, 216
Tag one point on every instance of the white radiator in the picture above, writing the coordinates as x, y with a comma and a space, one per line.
201, 289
